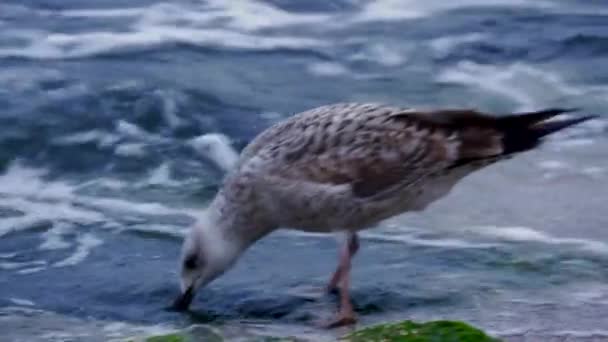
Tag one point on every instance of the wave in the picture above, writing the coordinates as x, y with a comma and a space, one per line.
526, 86
525, 234
470, 237
163, 24
445, 45
218, 148
86, 243
413, 9
244, 25
67, 218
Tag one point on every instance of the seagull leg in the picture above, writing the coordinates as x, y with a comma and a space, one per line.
346, 313
348, 251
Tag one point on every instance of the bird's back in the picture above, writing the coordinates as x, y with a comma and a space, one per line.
355, 164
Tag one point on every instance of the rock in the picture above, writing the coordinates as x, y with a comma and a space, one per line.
167, 338
405, 331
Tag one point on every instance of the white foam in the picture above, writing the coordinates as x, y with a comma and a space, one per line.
216, 147
102, 13
553, 165
77, 45
26, 79
117, 205
527, 86
108, 183
328, 69
130, 150
53, 238
255, 15
170, 108
131, 130
443, 46
594, 171
398, 235
7, 255
412, 240
585, 293
390, 10
22, 302
16, 265
571, 143
161, 176
524, 234
42, 212
160, 229
382, 53
86, 243
31, 270
100, 137
23, 181
55, 202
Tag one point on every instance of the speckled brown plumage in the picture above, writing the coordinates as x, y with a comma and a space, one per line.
346, 167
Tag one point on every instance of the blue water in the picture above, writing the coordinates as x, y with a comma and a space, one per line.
99, 179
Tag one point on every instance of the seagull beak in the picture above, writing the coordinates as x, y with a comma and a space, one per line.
182, 302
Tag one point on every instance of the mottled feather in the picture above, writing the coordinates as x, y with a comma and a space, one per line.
353, 164
371, 147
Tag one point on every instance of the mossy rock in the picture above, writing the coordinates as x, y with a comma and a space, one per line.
168, 338
198, 334
408, 331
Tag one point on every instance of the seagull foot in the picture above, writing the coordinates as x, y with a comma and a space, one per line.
342, 319
332, 289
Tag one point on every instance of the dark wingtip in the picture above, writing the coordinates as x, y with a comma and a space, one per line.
546, 128
518, 120
519, 138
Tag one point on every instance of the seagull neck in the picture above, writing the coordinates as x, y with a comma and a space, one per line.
237, 221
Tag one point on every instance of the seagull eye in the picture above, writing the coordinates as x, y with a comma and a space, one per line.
190, 262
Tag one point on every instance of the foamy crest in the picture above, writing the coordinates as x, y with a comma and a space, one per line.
412, 239
383, 54
59, 209
53, 238
388, 10
170, 105
527, 86
7, 265
86, 243
101, 138
218, 148
161, 176
443, 46
328, 69
553, 165
213, 24
130, 150
23, 181
255, 15
21, 302
242, 24
524, 234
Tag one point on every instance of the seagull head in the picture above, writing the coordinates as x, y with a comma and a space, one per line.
206, 254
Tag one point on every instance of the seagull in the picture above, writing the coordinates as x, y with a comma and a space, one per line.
344, 168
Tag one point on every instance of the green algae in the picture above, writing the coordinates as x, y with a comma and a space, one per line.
408, 331
404, 331
168, 338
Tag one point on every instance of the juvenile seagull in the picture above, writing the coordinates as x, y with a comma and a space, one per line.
346, 167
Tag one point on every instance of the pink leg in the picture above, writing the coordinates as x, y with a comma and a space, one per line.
346, 313
348, 251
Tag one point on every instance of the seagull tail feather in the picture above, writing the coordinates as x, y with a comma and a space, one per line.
524, 131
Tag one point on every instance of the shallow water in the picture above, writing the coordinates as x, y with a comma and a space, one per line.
100, 176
